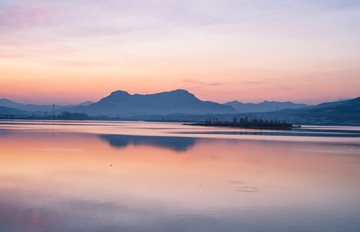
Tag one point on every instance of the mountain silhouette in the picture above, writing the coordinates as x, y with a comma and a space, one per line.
338, 113
347, 111
180, 105
121, 103
86, 103
10, 111
265, 106
344, 105
38, 108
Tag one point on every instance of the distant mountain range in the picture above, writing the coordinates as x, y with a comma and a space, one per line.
38, 108
180, 105
339, 112
263, 106
10, 111
121, 103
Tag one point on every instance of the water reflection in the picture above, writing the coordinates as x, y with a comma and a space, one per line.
5, 132
70, 181
173, 143
294, 132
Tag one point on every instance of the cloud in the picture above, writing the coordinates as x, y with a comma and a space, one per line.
196, 82
280, 88
19, 16
82, 63
254, 82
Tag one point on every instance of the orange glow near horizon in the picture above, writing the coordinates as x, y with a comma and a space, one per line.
68, 52
54, 85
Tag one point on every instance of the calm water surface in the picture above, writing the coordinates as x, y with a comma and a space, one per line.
141, 176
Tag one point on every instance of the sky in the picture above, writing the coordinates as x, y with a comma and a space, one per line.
71, 51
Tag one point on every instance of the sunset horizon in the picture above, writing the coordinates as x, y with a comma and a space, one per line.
77, 100
72, 51
179, 115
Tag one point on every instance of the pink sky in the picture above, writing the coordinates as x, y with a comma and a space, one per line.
72, 51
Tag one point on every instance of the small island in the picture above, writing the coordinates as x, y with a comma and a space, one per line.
248, 124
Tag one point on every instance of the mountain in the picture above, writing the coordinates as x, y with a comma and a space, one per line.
263, 106
121, 103
351, 104
10, 111
29, 107
8, 103
339, 112
342, 111
39, 108
180, 105
86, 103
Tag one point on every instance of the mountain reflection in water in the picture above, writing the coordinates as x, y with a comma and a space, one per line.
72, 178
173, 143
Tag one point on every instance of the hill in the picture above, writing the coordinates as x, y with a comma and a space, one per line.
340, 113
31, 108
6, 111
121, 103
265, 106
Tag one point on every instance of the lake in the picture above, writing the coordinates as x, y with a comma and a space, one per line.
144, 176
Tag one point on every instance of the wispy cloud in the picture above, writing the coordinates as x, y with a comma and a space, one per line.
18, 16
279, 88
254, 82
202, 83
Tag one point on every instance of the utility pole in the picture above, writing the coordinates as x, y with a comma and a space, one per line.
53, 111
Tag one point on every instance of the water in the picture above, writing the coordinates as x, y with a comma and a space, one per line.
142, 176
